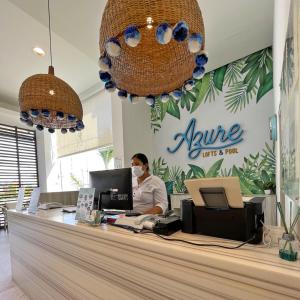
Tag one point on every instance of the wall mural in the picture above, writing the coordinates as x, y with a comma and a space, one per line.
220, 128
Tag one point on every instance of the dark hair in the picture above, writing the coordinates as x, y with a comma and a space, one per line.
142, 157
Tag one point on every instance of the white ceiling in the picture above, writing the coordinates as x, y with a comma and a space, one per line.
234, 28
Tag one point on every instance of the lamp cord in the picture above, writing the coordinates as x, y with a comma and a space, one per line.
49, 27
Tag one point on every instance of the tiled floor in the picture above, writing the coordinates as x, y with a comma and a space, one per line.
8, 289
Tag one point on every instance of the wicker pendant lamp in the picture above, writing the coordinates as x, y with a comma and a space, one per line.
151, 48
48, 102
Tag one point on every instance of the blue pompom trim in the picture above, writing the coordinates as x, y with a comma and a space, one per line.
132, 36
201, 59
104, 76
180, 31
161, 33
122, 94
198, 72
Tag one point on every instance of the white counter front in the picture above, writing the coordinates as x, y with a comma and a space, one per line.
55, 258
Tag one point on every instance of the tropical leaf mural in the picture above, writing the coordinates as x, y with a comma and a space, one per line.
242, 82
256, 174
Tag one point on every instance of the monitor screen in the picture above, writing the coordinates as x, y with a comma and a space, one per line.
113, 187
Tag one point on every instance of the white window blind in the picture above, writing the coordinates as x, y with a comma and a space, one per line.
18, 163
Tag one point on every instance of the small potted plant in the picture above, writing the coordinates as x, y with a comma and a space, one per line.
269, 188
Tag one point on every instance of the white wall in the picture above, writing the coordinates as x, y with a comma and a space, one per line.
11, 117
131, 129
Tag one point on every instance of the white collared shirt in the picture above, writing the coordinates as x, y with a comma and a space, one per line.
150, 193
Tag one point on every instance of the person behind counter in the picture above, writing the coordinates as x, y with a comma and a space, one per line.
149, 191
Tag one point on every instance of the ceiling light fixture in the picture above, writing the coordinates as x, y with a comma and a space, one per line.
39, 51
142, 64
48, 102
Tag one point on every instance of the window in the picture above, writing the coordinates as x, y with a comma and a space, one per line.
18, 164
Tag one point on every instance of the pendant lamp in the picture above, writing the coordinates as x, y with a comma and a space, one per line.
151, 48
47, 101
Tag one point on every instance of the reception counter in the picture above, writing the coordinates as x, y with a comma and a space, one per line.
53, 257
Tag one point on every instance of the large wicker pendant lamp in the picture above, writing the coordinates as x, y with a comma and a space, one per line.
48, 102
151, 48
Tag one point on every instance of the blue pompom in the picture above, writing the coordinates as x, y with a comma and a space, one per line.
72, 130
51, 130
113, 47
60, 115
110, 86
34, 113
201, 59
132, 36
164, 97
45, 113
176, 94
63, 130
189, 85
180, 31
150, 100
104, 76
24, 115
104, 63
195, 42
164, 33
71, 118
122, 94
79, 125
39, 127
133, 98
198, 72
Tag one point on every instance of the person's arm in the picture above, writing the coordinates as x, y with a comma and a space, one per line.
156, 210
160, 199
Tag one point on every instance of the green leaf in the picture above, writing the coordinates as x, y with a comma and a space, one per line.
215, 168
265, 87
219, 76
253, 80
262, 75
191, 96
182, 101
173, 109
264, 176
249, 66
243, 183
203, 90
253, 57
189, 174
269, 64
163, 109
187, 103
197, 171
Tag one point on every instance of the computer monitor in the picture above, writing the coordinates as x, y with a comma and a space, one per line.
214, 192
113, 189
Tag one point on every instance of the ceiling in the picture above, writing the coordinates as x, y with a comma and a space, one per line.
234, 28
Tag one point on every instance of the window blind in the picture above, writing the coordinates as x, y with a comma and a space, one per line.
18, 164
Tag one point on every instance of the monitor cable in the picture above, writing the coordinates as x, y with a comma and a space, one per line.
198, 244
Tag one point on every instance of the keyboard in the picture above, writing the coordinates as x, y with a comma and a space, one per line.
128, 213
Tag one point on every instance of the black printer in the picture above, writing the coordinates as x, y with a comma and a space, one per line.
241, 224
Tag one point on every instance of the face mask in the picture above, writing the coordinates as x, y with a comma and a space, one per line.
137, 171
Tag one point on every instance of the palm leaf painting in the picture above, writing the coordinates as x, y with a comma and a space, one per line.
240, 82
256, 170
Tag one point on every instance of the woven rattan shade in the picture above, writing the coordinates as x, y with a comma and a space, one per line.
150, 68
46, 91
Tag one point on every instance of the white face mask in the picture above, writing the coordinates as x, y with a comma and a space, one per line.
137, 171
